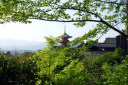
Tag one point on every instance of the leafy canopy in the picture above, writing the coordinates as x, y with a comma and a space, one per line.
106, 13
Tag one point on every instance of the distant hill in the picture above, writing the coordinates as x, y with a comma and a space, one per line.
11, 44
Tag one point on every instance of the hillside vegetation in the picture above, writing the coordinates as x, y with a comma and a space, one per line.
63, 66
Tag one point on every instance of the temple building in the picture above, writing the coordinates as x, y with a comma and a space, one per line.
108, 45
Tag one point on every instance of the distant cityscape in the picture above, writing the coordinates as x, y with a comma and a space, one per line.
20, 46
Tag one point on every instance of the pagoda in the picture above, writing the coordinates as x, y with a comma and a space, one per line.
65, 38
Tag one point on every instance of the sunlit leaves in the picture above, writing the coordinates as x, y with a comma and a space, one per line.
116, 74
60, 65
72, 74
52, 41
110, 11
15, 6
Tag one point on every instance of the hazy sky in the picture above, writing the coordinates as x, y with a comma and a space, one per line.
38, 29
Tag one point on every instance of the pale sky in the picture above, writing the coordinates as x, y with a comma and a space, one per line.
38, 29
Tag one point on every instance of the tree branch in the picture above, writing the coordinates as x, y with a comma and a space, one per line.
66, 20
109, 29
101, 20
112, 2
73, 8
104, 22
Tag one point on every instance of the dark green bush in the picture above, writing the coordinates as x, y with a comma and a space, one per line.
117, 74
15, 72
110, 57
63, 66
94, 68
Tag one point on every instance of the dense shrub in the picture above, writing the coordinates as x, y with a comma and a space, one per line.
59, 66
68, 66
15, 72
94, 68
110, 57
117, 74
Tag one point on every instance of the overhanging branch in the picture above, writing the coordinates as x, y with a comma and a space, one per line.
104, 22
66, 20
112, 2
74, 8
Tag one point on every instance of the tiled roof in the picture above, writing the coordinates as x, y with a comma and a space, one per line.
108, 43
110, 40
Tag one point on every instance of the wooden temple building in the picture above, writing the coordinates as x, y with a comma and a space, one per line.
108, 45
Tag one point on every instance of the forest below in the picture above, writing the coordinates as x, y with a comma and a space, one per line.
63, 66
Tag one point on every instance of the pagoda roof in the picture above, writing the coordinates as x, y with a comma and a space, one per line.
66, 35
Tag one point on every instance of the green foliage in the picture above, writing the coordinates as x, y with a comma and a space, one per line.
52, 41
63, 66
67, 65
116, 74
93, 71
108, 57
17, 71
60, 65
72, 74
94, 66
107, 15
27, 54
